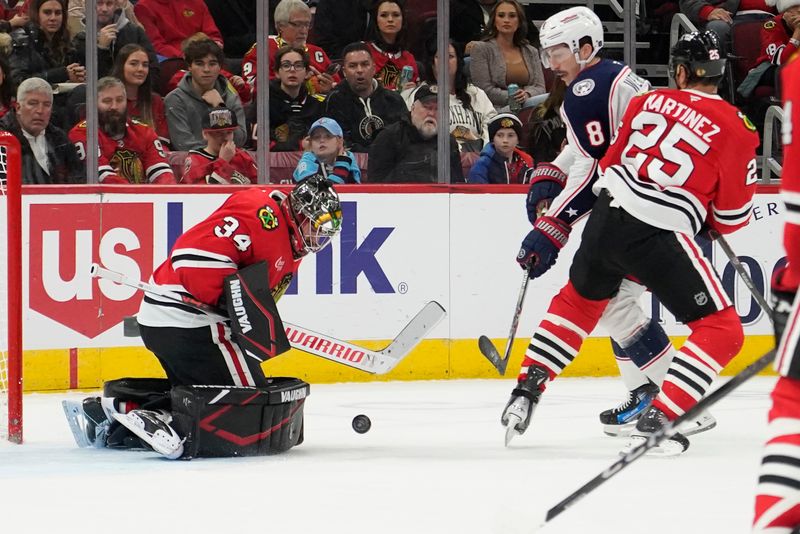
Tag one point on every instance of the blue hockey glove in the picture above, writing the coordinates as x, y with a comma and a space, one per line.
547, 181
541, 246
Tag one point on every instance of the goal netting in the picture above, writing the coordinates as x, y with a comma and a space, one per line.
10, 290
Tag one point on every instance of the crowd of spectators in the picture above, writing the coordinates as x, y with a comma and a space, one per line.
352, 93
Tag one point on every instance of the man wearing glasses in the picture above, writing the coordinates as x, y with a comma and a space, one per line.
293, 21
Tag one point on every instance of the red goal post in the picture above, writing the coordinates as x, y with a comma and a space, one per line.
11, 290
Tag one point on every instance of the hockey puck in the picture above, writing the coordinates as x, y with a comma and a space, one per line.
361, 424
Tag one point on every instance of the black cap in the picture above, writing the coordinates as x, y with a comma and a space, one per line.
426, 92
220, 120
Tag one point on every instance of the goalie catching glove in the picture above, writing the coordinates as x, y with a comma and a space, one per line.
541, 246
547, 182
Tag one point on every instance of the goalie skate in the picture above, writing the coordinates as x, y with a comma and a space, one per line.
87, 421
153, 428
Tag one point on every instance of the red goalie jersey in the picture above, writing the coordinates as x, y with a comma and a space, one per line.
137, 158
683, 160
248, 228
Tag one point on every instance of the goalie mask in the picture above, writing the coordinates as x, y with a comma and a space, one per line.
317, 213
701, 54
568, 27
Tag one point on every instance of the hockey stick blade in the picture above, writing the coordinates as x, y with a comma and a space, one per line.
488, 349
324, 346
657, 437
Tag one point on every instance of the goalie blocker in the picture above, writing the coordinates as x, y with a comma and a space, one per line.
192, 421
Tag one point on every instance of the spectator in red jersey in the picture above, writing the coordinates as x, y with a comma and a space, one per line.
293, 20
718, 15
291, 108
506, 57
47, 155
13, 16
130, 152
387, 43
168, 23
220, 162
144, 104
201, 89
501, 162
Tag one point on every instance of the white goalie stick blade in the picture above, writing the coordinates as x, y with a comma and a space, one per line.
322, 345
76, 419
374, 362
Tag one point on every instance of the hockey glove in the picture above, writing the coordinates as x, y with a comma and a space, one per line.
547, 182
540, 247
782, 300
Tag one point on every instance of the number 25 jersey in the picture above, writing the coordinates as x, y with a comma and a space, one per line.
682, 159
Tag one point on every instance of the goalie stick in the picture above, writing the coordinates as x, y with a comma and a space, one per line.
376, 362
486, 346
706, 402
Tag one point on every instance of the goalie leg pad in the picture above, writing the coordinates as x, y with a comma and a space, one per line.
126, 394
224, 421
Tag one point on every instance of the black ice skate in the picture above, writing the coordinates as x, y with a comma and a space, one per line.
620, 421
153, 428
524, 399
651, 421
88, 421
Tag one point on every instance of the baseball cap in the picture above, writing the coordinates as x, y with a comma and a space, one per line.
426, 92
329, 124
220, 120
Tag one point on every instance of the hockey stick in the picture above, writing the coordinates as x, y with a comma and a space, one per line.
737, 265
486, 346
371, 361
657, 437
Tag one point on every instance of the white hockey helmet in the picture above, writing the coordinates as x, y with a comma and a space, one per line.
568, 27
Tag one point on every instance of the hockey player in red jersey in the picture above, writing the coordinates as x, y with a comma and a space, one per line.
220, 162
197, 350
777, 506
671, 172
130, 151
597, 94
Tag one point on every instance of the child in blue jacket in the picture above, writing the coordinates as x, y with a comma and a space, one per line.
326, 155
501, 162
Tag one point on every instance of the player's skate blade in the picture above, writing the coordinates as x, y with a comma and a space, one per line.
77, 422
619, 431
511, 429
153, 430
668, 447
706, 421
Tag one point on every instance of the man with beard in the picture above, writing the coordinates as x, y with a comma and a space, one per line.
47, 155
361, 105
130, 152
406, 151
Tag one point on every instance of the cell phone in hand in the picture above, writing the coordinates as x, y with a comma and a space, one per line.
115, 17
333, 69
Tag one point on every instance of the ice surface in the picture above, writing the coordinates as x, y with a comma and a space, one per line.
433, 462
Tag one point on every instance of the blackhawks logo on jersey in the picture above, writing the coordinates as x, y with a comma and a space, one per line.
267, 217
127, 164
747, 122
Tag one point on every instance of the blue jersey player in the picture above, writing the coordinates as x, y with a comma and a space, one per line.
597, 95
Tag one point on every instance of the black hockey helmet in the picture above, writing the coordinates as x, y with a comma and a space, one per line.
701, 54
317, 212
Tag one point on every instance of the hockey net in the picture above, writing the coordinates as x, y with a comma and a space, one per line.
10, 290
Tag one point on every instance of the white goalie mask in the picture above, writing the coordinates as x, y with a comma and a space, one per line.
568, 27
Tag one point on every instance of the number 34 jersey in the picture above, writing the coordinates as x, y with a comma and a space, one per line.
683, 159
248, 228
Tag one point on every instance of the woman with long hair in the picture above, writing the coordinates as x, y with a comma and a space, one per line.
42, 49
8, 89
386, 37
505, 57
470, 108
132, 66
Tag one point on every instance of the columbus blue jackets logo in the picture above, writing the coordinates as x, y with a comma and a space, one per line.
583, 87
267, 217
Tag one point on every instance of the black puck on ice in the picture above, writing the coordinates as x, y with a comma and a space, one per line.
361, 424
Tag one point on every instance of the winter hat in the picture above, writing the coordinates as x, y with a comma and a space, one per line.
504, 120
782, 5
